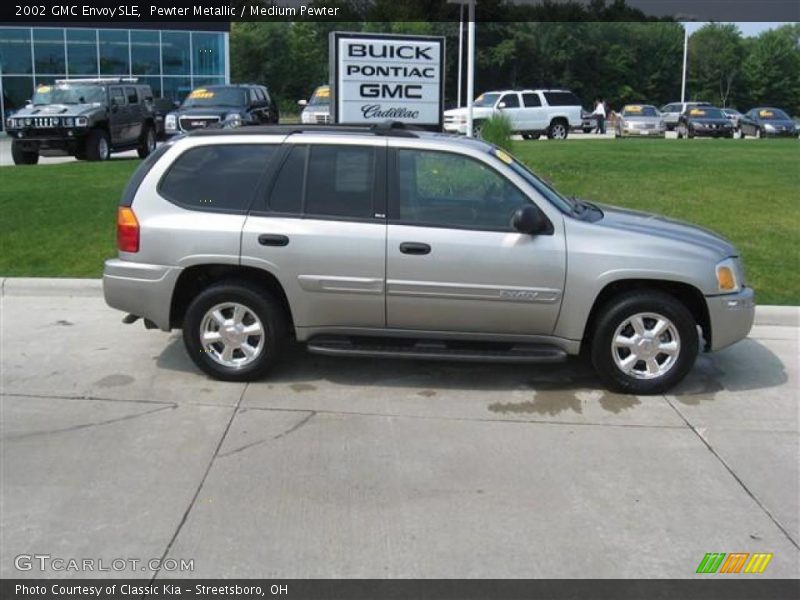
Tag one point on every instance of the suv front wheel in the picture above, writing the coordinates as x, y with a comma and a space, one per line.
97, 145
147, 144
644, 343
23, 157
233, 331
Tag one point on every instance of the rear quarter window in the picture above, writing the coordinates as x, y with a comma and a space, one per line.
562, 99
218, 177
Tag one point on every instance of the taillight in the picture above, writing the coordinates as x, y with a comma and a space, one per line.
127, 230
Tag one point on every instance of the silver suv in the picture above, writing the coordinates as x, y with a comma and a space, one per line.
394, 243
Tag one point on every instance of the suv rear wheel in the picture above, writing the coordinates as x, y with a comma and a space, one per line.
23, 157
233, 331
97, 145
644, 343
558, 130
148, 142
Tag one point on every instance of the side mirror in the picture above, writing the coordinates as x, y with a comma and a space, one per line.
302, 103
28, 103
176, 104
501, 105
528, 219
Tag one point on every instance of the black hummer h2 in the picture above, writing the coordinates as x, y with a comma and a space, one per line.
85, 118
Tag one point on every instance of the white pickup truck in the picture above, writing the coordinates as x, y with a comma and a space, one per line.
532, 113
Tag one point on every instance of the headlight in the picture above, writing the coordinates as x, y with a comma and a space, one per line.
662, 125
769, 127
81, 121
10, 123
233, 120
306, 117
728, 276
170, 122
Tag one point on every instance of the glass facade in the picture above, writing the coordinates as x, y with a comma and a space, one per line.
171, 62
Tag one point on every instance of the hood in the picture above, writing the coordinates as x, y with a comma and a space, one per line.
318, 109
207, 111
663, 227
463, 112
56, 110
712, 121
780, 123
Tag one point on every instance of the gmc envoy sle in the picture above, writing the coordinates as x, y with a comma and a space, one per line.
389, 242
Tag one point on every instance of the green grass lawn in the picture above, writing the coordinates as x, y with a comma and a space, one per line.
59, 220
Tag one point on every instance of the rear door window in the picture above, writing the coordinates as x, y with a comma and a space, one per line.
531, 100
219, 177
340, 181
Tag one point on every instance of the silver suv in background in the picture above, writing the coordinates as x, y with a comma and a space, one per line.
394, 243
532, 113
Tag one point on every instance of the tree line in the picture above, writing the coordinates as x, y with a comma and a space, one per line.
620, 61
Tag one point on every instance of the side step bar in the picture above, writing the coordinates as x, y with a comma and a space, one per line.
436, 350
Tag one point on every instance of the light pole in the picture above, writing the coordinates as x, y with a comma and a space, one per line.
470, 65
460, 49
685, 57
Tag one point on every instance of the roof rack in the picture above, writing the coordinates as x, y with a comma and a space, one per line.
99, 80
387, 128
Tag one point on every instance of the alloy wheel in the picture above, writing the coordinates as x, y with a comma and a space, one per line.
646, 346
232, 335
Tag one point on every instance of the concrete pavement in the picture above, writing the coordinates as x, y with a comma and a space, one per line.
115, 446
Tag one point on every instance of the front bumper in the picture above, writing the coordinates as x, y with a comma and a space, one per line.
63, 140
788, 134
455, 128
713, 132
731, 317
643, 133
140, 289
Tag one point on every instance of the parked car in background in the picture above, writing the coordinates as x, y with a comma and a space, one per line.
223, 105
464, 258
85, 118
733, 116
640, 120
532, 113
767, 122
672, 112
704, 121
317, 109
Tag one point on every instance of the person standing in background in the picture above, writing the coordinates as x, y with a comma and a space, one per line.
600, 114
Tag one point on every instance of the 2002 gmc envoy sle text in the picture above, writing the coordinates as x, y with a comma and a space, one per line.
389, 242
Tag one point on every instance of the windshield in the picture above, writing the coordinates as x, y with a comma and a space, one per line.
215, 97
65, 93
486, 100
321, 96
706, 113
637, 110
544, 188
773, 114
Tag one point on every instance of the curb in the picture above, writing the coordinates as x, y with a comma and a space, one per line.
41, 286
781, 316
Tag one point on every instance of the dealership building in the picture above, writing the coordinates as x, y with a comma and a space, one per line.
171, 60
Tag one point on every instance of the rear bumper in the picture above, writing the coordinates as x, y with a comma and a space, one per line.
140, 289
731, 317
455, 128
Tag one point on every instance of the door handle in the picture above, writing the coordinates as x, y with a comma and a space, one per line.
273, 239
415, 248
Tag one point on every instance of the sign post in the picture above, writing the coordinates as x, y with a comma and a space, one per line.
377, 78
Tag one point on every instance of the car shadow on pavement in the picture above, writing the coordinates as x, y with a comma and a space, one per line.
747, 366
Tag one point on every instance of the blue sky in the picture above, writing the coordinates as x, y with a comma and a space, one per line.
747, 28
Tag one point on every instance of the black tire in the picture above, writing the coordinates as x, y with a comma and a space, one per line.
531, 136
147, 143
741, 134
558, 130
615, 313
587, 130
23, 157
477, 126
98, 146
256, 300
690, 133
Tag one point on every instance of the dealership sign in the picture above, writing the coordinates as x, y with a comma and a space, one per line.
377, 78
